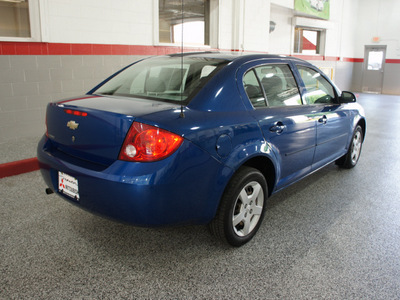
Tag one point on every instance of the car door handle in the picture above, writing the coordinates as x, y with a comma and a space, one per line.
323, 119
278, 127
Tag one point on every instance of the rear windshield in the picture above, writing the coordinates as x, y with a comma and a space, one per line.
165, 79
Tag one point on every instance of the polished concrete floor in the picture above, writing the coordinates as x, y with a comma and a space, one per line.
334, 235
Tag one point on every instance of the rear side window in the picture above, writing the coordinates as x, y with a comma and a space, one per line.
253, 89
276, 84
318, 89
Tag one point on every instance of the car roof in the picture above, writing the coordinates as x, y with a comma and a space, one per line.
235, 56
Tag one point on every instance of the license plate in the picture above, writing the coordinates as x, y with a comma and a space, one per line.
68, 185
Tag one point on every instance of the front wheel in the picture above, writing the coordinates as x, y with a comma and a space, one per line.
350, 159
242, 207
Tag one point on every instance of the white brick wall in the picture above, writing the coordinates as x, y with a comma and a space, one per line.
29, 82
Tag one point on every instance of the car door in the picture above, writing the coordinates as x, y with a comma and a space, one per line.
287, 125
332, 120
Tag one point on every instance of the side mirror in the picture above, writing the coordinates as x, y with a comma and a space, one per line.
347, 97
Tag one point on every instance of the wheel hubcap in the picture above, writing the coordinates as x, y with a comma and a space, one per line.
248, 208
356, 147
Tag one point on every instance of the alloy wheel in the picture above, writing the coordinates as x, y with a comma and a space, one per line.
248, 208
356, 147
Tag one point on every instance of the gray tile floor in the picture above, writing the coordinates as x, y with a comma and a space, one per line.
334, 235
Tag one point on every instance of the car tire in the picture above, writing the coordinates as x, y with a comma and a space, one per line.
350, 159
242, 207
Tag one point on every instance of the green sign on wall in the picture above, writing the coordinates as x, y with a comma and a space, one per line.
318, 8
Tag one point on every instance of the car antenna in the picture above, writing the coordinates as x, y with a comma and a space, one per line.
182, 115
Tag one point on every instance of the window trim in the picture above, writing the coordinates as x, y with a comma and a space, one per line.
321, 39
34, 22
213, 34
311, 24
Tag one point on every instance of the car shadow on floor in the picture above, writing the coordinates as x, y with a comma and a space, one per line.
124, 239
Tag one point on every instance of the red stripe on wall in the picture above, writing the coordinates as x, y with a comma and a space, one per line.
356, 60
27, 48
309, 57
19, 167
392, 61
332, 58
316, 57
32, 48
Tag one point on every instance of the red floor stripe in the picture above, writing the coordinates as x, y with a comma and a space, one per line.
19, 167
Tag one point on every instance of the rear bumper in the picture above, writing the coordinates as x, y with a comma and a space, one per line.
184, 188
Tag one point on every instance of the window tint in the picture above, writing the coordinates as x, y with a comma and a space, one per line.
253, 89
279, 85
318, 89
163, 78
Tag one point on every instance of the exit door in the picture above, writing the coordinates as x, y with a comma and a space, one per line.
373, 69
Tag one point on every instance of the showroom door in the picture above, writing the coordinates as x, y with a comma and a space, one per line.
373, 69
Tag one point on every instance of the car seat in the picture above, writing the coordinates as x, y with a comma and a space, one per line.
273, 87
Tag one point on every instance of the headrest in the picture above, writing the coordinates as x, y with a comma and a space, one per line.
154, 85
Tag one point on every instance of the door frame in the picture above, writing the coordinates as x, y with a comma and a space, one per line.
367, 49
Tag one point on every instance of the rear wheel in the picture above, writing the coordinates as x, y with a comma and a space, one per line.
242, 207
350, 159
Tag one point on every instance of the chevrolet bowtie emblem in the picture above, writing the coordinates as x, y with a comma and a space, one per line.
72, 125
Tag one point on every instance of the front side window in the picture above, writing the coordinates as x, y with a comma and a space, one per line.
14, 19
195, 28
318, 89
164, 79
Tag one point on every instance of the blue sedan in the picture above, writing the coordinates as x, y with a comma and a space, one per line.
199, 138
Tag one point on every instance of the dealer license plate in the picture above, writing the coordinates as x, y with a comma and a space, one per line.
68, 185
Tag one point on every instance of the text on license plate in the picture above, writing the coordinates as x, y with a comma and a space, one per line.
68, 185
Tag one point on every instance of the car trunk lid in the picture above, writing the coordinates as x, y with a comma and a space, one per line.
93, 128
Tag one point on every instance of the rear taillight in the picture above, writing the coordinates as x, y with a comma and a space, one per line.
145, 143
